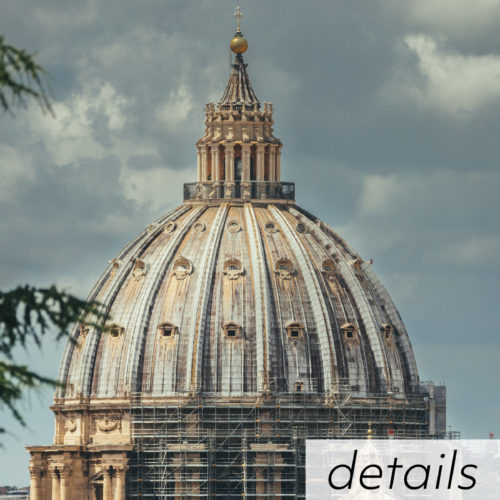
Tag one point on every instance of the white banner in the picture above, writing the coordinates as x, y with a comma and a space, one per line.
398, 469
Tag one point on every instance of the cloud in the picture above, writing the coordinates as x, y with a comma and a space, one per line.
177, 108
16, 169
422, 217
83, 124
478, 252
70, 17
458, 17
156, 187
446, 81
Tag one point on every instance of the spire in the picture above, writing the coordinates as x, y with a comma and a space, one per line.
239, 90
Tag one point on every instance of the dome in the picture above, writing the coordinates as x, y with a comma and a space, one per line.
238, 298
238, 326
239, 291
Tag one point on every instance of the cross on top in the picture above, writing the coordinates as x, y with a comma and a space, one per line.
238, 15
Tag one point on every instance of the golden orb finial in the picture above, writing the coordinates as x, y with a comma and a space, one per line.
239, 43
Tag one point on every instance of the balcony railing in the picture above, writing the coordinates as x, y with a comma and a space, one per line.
244, 190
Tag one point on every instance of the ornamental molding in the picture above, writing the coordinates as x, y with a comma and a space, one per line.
107, 422
233, 269
70, 424
139, 270
36, 471
284, 269
328, 269
115, 264
182, 267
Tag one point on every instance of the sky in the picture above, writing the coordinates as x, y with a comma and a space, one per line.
389, 113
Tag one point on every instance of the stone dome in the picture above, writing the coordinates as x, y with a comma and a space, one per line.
239, 291
239, 298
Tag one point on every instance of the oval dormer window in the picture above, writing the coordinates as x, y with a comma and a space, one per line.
270, 227
199, 227
170, 227
301, 227
328, 268
234, 226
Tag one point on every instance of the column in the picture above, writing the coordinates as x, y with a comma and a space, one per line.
260, 173
214, 149
55, 484
178, 485
35, 491
106, 484
245, 158
64, 474
261, 149
278, 164
261, 480
204, 172
229, 183
246, 191
229, 162
198, 163
120, 483
272, 163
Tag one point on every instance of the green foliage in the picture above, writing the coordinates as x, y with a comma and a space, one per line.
20, 78
26, 315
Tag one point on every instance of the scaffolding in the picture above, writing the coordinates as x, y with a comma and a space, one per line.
210, 446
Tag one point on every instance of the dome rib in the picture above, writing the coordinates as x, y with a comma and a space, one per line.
318, 304
203, 292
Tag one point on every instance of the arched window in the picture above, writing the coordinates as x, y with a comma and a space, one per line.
238, 168
252, 169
